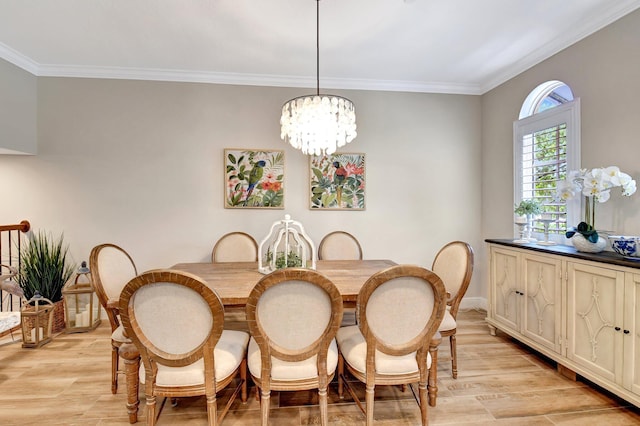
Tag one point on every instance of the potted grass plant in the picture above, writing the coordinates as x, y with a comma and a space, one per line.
44, 269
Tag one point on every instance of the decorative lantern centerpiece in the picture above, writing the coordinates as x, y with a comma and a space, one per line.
286, 246
37, 318
81, 304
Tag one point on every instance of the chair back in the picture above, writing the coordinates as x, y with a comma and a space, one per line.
454, 265
400, 309
339, 245
235, 247
173, 318
111, 269
294, 314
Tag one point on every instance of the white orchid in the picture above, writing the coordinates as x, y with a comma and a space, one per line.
595, 185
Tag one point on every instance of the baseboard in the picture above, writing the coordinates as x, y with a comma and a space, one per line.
477, 303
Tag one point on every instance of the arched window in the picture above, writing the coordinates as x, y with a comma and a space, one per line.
546, 146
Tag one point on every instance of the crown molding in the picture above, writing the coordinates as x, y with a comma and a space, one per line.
18, 59
186, 76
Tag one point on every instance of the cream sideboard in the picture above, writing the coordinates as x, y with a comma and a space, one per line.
582, 310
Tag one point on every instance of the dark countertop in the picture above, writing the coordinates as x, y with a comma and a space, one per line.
608, 257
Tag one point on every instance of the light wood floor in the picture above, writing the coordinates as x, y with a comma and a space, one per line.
67, 382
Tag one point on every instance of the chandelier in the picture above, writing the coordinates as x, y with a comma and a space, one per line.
318, 124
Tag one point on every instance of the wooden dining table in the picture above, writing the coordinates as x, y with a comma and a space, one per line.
233, 282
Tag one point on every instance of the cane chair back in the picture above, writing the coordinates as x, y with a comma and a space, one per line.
454, 265
339, 245
235, 247
293, 316
111, 269
176, 322
399, 311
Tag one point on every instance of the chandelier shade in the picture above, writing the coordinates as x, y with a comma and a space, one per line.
318, 124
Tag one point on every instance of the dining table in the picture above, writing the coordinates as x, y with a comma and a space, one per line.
233, 282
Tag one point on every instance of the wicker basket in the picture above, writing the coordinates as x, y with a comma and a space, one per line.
58, 324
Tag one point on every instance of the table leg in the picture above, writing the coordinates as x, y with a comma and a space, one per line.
131, 356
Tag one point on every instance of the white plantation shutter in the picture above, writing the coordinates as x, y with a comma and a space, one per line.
546, 146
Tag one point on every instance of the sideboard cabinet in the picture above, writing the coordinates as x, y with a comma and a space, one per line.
579, 309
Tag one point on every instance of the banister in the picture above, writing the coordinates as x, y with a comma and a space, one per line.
23, 226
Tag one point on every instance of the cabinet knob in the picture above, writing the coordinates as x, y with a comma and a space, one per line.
626, 332
617, 328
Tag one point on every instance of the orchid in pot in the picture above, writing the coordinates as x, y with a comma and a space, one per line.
595, 186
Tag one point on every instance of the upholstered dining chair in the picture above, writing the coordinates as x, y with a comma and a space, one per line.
339, 245
454, 265
399, 311
176, 322
235, 247
111, 269
293, 315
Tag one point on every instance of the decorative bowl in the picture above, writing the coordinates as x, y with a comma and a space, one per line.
627, 246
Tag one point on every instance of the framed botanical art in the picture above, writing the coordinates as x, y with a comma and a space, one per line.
337, 181
254, 179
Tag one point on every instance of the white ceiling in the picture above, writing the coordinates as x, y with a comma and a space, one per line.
442, 46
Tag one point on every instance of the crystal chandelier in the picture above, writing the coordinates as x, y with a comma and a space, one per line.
318, 124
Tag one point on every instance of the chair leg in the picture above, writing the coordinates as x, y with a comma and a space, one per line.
340, 376
151, 410
323, 403
265, 401
212, 410
114, 369
370, 394
433, 373
243, 377
422, 390
454, 356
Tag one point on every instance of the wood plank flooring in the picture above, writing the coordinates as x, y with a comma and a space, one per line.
500, 382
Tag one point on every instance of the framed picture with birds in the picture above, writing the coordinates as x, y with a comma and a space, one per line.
253, 179
337, 181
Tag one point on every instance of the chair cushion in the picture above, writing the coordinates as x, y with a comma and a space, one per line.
283, 370
228, 355
448, 322
354, 349
118, 335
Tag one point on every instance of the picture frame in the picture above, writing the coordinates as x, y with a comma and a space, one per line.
254, 179
337, 182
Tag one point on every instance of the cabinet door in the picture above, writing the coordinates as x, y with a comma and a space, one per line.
504, 287
542, 278
631, 333
594, 310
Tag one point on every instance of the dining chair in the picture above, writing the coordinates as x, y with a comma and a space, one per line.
339, 245
293, 315
176, 322
399, 310
235, 247
454, 265
111, 269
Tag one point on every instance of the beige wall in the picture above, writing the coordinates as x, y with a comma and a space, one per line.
140, 164
18, 106
603, 70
